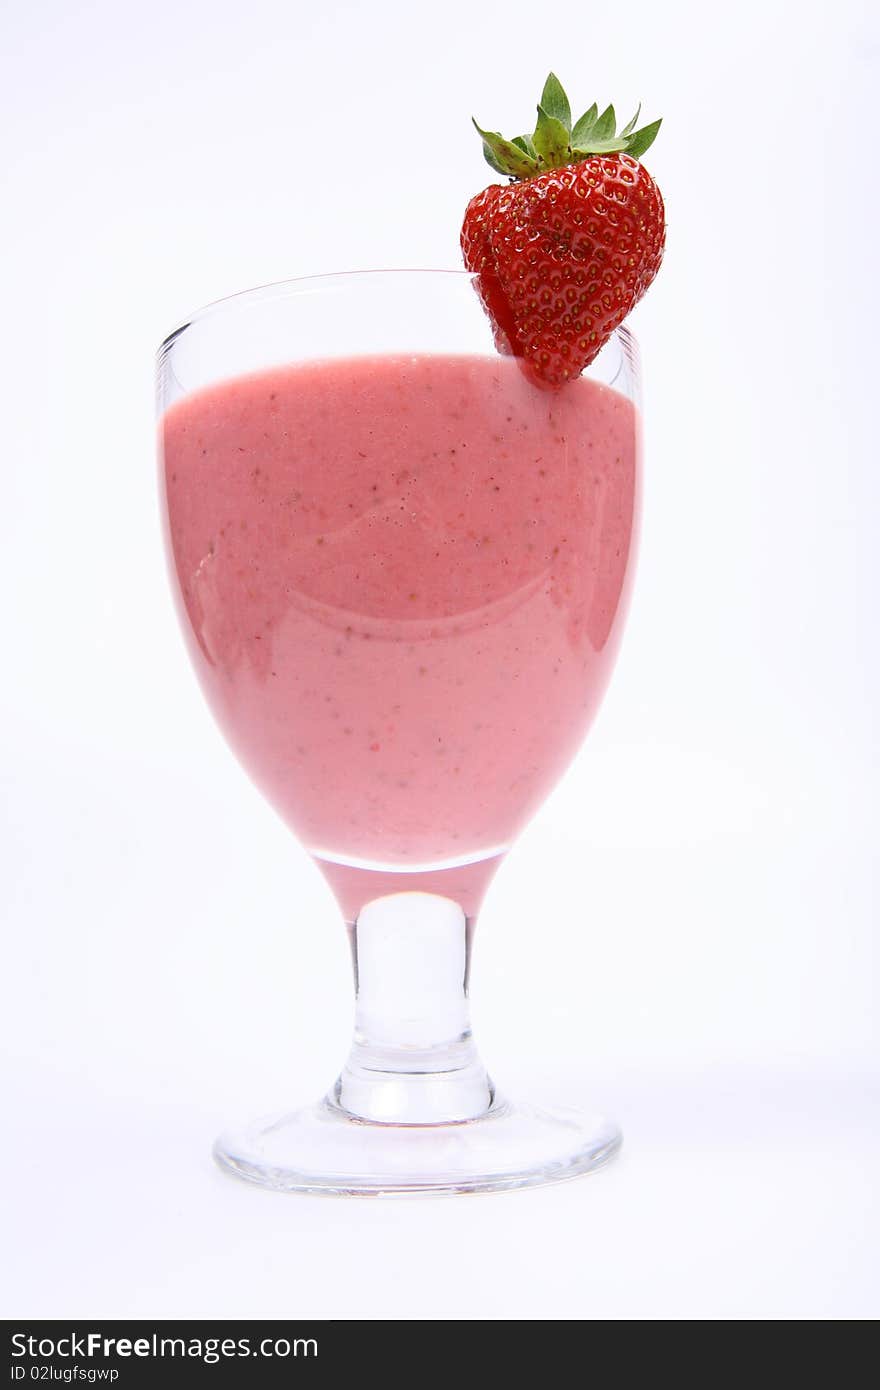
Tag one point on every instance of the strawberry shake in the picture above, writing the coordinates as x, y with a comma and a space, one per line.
402, 580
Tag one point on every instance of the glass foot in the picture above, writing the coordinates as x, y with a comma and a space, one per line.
324, 1149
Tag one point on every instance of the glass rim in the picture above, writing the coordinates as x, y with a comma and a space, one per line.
302, 284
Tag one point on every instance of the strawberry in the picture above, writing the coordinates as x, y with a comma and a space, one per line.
565, 250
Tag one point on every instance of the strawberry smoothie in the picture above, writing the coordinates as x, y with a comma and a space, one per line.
403, 581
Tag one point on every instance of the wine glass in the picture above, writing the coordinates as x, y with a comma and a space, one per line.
402, 567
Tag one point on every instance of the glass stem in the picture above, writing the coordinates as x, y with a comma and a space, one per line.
413, 1059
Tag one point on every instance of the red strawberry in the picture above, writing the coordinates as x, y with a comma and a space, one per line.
565, 250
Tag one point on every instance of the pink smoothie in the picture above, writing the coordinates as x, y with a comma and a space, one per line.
402, 581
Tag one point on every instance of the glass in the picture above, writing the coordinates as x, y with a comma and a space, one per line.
402, 568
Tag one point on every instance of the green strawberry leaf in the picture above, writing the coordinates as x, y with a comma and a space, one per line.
492, 161
631, 125
584, 125
642, 140
615, 146
551, 140
507, 158
524, 143
605, 125
555, 102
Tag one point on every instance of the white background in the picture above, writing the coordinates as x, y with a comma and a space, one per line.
685, 935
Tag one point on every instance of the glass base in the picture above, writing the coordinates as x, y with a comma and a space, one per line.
324, 1149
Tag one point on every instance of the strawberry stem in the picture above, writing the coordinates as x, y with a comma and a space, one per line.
555, 142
